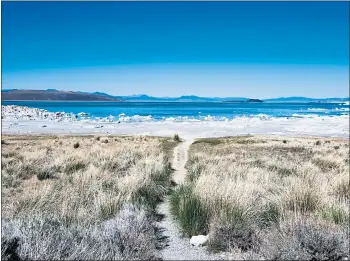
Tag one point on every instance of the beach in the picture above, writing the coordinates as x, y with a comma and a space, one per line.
24, 120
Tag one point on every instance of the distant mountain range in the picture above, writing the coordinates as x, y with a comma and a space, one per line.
55, 95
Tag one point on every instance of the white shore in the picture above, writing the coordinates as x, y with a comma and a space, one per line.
15, 120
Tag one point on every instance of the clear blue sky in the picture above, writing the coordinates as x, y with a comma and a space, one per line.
260, 49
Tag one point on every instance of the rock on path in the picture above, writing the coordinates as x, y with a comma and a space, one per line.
178, 247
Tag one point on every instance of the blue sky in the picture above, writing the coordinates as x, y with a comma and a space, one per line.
260, 49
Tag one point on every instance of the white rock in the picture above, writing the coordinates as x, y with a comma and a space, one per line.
198, 240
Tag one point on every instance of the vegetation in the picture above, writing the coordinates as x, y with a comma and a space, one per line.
266, 197
176, 137
97, 202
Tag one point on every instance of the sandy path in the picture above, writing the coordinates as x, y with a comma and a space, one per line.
180, 159
179, 248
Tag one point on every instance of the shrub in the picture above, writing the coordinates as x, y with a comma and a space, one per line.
151, 193
3, 142
98, 138
284, 141
9, 154
46, 172
105, 141
324, 164
210, 141
335, 215
130, 234
194, 171
191, 214
336, 147
108, 209
76, 145
306, 239
342, 189
302, 200
318, 143
232, 229
176, 137
270, 214
74, 166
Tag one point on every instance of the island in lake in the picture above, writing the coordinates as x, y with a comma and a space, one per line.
249, 100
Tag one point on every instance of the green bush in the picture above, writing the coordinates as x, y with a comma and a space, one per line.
72, 167
46, 172
270, 214
336, 215
191, 214
176, 137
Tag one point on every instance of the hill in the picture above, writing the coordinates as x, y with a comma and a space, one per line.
54, 95
305, 99
188, 98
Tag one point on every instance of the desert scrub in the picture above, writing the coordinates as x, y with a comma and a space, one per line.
130, 234
265, 182
77, 204
306, 239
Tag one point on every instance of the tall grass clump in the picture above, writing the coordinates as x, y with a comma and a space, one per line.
232, 228
191, 214
176, 137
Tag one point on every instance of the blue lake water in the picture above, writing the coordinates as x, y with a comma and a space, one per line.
189, 110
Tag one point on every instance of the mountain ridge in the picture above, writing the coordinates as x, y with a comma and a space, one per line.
53, 94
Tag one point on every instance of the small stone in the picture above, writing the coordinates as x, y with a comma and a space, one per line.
198, 240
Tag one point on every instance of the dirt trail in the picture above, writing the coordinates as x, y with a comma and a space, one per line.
179, 248
179, 160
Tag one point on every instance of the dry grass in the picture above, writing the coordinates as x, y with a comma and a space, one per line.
253, 186
94, 200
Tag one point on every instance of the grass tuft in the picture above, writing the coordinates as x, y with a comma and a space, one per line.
176, 137
191, 214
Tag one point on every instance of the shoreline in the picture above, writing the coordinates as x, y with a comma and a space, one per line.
25, 120
300, 127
